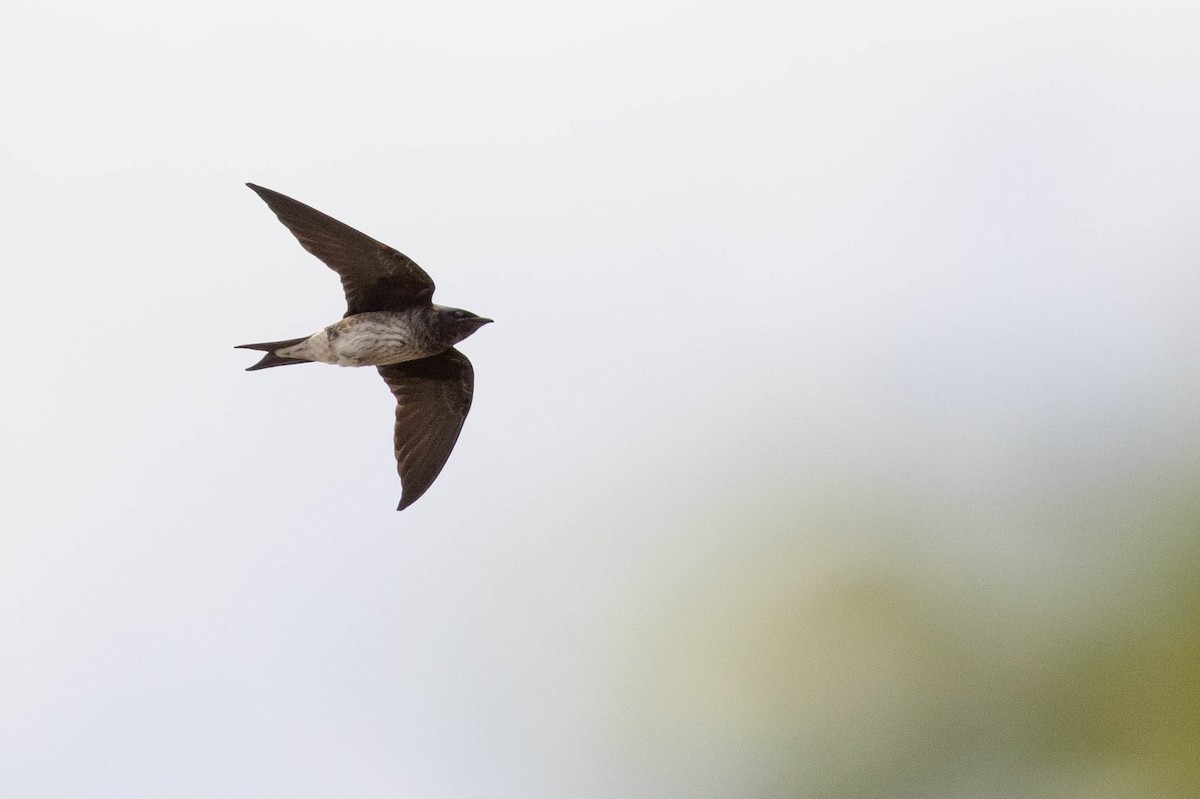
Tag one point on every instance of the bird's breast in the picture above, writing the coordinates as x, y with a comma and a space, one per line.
377, 339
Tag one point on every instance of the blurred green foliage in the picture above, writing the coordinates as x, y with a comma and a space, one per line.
859, 658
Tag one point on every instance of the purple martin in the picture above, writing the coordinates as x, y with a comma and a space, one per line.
392, 324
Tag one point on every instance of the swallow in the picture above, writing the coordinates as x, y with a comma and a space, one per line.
391, 323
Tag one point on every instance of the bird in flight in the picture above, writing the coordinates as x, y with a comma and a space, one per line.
392, 324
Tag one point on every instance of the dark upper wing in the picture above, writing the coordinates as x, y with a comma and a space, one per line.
374, 276
433, 396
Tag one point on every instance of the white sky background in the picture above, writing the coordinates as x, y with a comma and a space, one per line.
737, 255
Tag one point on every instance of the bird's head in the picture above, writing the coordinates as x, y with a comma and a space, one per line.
459, 323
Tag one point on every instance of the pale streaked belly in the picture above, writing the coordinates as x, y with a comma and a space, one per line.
361, 342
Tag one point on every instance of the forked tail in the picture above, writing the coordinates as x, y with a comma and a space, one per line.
271, 359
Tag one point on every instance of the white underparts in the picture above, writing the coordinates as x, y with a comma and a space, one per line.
358, 341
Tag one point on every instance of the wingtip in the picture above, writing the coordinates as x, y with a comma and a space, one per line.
408, 497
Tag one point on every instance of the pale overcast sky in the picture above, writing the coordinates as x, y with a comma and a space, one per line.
761, 274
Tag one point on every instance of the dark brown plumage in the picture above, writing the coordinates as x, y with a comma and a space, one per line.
433, 396
392, 323
374, 276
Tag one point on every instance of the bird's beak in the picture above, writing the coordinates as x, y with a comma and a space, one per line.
483, 320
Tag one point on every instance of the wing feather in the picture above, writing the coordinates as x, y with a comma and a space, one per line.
433, 396
374, 276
